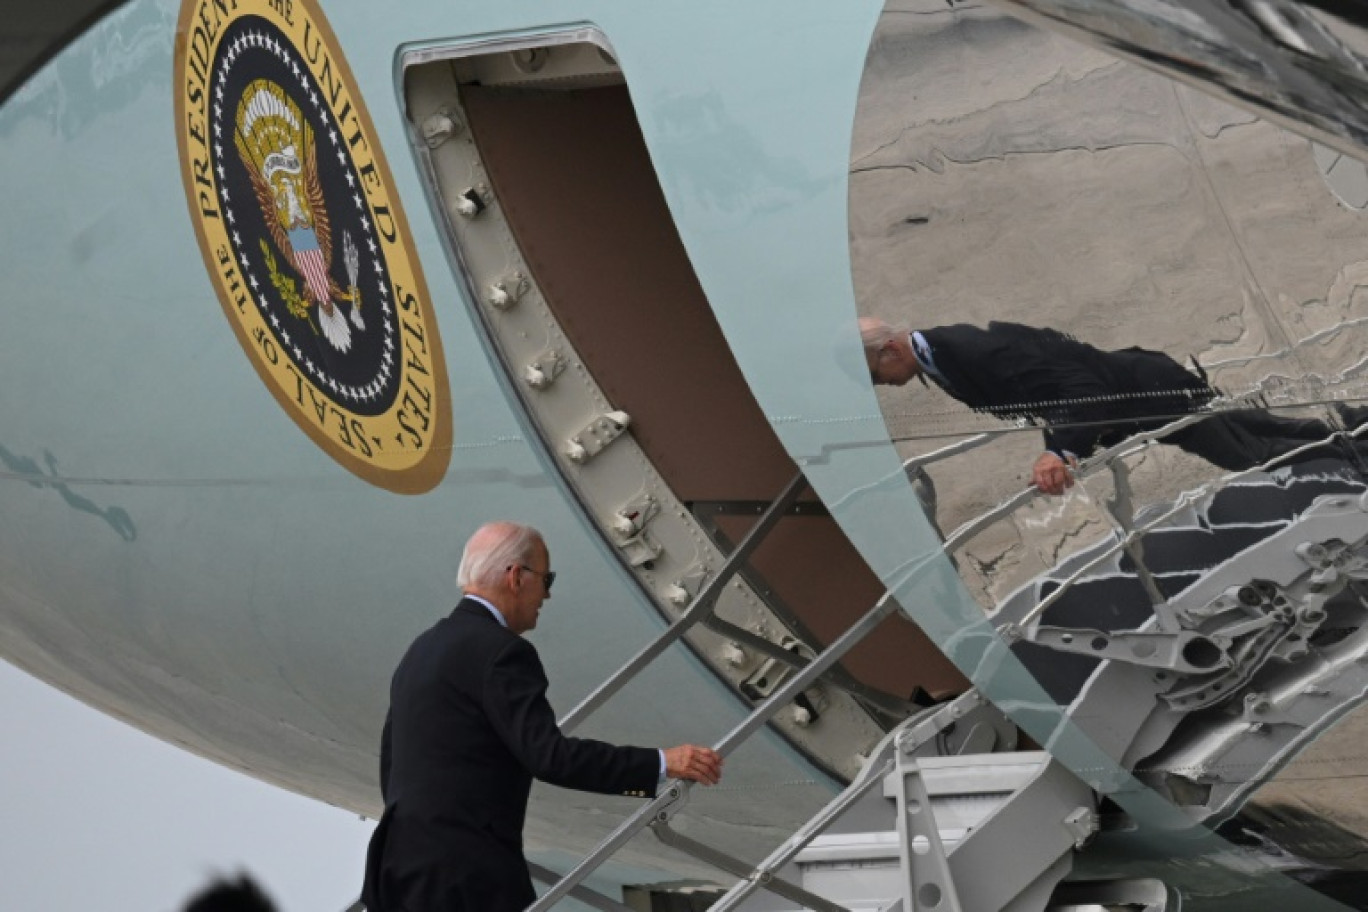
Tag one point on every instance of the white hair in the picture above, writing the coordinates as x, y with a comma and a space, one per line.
875, 334
492, 550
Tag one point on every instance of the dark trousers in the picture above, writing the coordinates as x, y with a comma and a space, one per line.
1241, 440
419, 869
1234, 440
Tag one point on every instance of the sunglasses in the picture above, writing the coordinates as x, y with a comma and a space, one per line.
547, 578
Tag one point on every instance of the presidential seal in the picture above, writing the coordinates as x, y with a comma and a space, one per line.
304, 239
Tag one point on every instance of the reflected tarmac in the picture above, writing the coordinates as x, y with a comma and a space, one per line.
1000, 172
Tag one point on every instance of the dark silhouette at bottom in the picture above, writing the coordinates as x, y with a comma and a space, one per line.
225, 895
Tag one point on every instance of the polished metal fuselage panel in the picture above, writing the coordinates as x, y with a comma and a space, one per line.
175, 552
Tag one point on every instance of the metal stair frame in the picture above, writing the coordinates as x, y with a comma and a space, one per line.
671, 798
911, 772
909, 736
1283, 712
1025, 870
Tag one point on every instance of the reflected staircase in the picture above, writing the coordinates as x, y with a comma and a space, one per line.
1216, 635
1219, 643
1199, 542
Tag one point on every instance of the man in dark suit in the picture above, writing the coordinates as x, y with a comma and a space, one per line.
1085, 397
468, 729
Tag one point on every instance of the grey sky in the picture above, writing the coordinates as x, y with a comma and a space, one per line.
97, 815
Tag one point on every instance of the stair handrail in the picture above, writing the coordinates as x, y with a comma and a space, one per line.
925, 459
672, 795
1128, 447
698, 609
1086, 468
1185, 500
1132, 445
953, 449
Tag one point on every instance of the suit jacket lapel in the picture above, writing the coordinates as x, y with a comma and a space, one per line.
946, 352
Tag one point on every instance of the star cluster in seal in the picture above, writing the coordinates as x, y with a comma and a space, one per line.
298, 220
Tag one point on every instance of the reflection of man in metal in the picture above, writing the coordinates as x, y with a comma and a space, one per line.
1085, 396
468, 729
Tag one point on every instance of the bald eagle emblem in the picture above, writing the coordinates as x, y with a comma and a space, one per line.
303, 232
276, 144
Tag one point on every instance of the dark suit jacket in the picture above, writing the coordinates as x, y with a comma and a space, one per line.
1085, 396
468, 729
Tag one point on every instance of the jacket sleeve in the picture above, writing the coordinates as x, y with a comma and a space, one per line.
1015, 371
385, 755
1076, 441
515, 703
1078, 403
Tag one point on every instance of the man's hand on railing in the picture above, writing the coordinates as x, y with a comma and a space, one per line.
1051, 474
697, 764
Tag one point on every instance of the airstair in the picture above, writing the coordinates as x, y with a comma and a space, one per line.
1218, 643
943, 798
942, 801
1216, 635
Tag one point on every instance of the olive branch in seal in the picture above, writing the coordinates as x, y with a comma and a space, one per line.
285, 286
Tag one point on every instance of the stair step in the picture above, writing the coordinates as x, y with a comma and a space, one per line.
964, 791
1115, 599
1109, 603
1253, 504
1283, 496
1061, 674
1195, 550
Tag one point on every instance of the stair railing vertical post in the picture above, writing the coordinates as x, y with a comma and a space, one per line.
881, 763
1122, 509
1182, 503
927, 880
